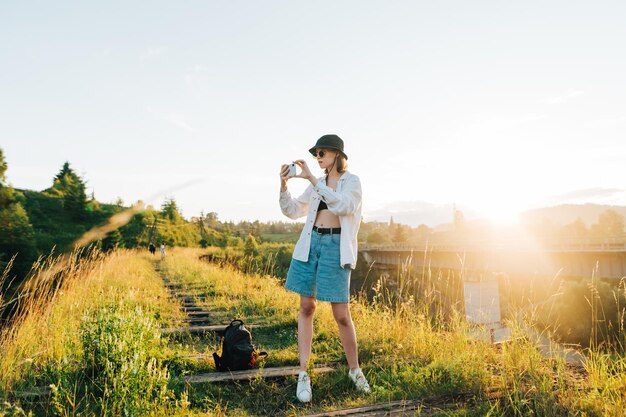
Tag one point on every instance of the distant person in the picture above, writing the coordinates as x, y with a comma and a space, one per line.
162, 251
326, 251
152, 248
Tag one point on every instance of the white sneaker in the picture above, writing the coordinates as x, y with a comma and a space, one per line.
356, 375
303, 392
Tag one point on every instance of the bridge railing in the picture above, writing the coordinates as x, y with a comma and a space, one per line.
611, 243
588, 244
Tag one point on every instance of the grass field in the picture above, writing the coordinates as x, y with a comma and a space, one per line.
95, 339
280, 237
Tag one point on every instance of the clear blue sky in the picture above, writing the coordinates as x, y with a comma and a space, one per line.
496, 105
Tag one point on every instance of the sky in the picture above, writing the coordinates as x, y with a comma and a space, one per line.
496, 106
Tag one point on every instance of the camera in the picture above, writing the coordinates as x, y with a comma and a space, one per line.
292, 170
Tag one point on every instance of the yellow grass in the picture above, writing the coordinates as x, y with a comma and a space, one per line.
383, 333
48, 330
396, 343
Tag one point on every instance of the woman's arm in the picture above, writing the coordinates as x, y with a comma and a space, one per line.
295, 207
292, 207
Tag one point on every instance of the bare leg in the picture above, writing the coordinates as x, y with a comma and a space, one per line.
305, 329
347, 334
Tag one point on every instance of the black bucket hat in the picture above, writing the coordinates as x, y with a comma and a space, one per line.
329, 142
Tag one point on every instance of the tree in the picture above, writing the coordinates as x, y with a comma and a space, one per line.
282, 260
75, 200
66, 171
423, 232
211, 220
400, 234
255, 229
224, 238
62, 180
134, 230
16, 236
376, 238
16, 232
574, 230
610, 224
71, 187
7, 195
113, 240
170, 211
3, 167
251, 247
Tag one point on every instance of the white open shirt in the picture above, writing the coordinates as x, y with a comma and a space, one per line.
345, 202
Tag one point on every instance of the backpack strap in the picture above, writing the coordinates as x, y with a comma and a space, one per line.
218, 362
232, 323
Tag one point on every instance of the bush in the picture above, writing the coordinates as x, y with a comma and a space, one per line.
13, 410
251, 247
120, 350
587, 313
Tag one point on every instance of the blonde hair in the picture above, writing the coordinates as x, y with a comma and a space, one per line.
342, 163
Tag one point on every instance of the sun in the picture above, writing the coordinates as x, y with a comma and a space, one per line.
502, 208
496, 186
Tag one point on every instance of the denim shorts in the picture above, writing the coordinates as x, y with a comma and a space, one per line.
322, 277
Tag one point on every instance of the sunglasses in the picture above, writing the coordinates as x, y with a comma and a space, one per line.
319, 154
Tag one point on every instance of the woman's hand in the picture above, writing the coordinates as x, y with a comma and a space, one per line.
306, 172
284, 176
284, 173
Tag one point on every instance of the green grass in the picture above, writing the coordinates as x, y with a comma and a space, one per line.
406, 350
280, 237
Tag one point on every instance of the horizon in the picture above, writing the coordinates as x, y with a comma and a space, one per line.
495, 108
436, 211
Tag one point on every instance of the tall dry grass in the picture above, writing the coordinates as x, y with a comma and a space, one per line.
408, 349
390, 328
414, 339
55, 299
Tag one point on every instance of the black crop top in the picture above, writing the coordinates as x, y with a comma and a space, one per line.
322, 206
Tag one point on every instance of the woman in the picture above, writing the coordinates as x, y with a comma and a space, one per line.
326, 251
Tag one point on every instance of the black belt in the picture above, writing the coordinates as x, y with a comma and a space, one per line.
327, 230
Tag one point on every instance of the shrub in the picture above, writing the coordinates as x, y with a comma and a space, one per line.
251, 247
121, 367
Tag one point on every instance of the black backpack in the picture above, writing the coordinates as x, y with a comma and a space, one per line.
237, 350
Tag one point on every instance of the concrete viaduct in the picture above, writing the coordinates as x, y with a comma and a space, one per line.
604, 258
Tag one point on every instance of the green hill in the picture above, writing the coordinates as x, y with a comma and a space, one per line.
54, 226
